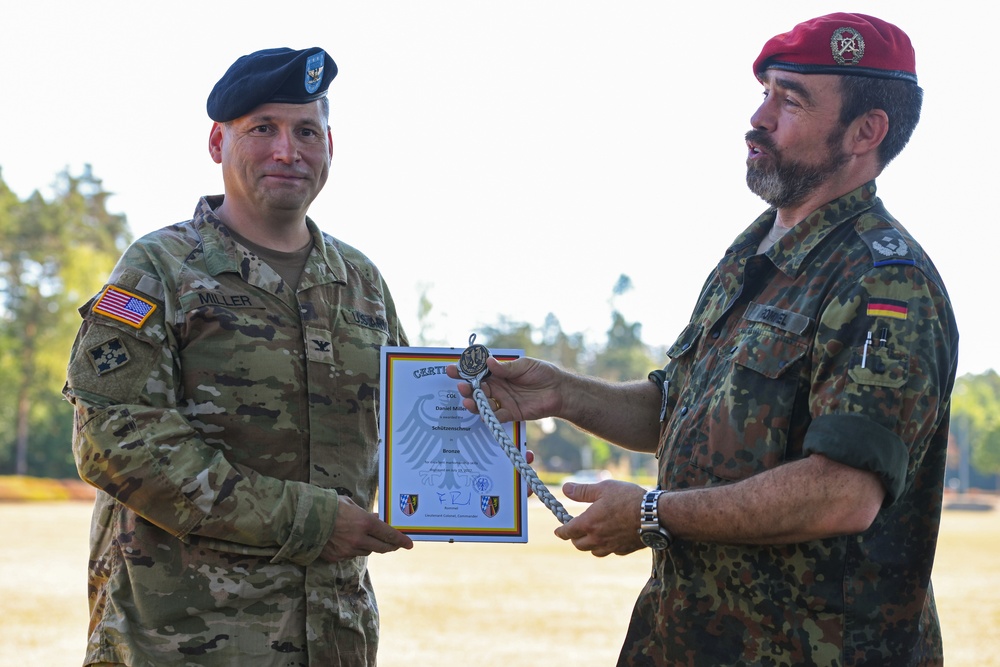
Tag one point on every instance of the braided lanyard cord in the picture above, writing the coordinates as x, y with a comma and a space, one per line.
515, 456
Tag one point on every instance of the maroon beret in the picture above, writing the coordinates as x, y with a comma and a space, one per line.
841, 44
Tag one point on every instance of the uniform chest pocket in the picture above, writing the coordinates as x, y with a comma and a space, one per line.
750, 405
767, 352
232, 316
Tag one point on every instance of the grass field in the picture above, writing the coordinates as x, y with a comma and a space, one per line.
461, 604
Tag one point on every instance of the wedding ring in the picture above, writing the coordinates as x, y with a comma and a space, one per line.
497, 402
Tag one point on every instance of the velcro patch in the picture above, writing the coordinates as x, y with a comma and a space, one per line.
887, 308
121, 305
376, 322
108, 356
319, 346
779, 318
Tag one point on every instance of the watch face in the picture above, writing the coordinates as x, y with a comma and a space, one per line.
654, 540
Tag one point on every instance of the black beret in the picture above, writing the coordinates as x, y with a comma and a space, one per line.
271, 75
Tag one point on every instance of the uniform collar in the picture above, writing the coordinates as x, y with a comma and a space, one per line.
325, 264
790, 252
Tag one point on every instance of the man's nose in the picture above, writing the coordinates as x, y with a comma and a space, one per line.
285, 147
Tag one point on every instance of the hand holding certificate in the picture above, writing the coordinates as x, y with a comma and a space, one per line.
442, 475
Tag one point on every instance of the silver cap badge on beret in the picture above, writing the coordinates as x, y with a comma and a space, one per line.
847, 46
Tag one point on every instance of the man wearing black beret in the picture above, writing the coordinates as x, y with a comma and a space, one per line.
801, 420
224, 382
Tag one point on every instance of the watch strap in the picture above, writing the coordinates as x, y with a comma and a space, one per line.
649, 515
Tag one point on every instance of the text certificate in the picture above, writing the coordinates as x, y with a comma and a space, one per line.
442, 475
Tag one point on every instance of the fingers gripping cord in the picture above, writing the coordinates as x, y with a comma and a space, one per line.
515, 455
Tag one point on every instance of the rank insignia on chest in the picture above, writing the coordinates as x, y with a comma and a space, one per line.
121, 305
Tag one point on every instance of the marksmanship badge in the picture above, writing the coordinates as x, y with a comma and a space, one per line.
847, 46
472, 363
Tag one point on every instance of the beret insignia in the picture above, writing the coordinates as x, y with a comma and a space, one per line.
314, 72
847, 46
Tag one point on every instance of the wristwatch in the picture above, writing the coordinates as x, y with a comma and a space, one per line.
652, 534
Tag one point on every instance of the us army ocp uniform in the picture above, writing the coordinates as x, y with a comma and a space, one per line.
220, 413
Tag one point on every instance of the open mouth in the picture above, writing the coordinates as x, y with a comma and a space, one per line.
758, 145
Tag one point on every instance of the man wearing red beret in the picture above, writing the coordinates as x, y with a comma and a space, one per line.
801, 420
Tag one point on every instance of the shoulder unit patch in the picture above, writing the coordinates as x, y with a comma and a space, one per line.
108, 356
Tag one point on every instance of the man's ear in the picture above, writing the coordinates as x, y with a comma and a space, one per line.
868, 131
215, 143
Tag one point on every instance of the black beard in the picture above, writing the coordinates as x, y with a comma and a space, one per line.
783, 183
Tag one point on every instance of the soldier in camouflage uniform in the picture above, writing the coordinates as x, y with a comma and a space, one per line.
801, 421
225, 384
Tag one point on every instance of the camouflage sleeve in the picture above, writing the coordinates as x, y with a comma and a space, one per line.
131, 440
397, 336
883, 355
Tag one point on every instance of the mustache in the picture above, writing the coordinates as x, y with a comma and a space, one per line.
761, 139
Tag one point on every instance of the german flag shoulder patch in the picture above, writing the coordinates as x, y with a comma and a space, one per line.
894, 308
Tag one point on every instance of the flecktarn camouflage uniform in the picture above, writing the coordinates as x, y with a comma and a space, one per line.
220, 414
839, 340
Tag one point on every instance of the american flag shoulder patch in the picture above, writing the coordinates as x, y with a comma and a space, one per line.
887, 308
124, 306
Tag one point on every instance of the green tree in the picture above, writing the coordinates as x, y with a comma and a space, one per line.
625, 356
986, 456
558, 445
975, 419
53, 255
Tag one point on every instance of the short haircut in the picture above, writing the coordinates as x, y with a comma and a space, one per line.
900, 100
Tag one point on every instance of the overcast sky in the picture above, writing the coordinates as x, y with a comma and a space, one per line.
510, 158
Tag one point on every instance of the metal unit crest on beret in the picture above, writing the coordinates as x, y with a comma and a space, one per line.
314, 71
847, 46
